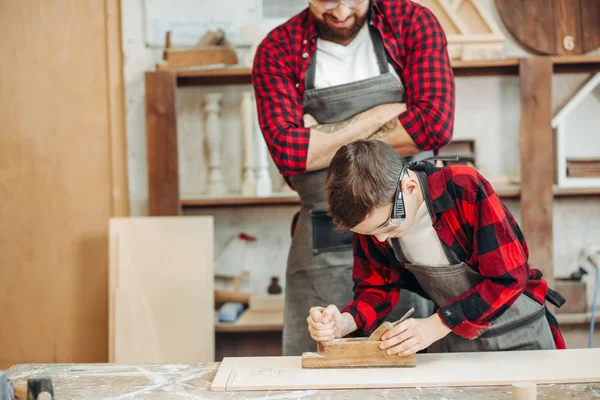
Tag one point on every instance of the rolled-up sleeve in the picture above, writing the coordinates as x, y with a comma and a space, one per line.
429, 81
279, 106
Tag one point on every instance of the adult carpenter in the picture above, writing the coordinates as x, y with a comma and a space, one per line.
337, 72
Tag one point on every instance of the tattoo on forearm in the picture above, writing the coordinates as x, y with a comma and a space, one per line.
385, 129
336, 126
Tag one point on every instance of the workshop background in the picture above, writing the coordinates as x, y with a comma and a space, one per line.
138, 197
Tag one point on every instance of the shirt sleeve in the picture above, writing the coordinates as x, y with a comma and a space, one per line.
376, 286
279, 107
502, 262
429, 82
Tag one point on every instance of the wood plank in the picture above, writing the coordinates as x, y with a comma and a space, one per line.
590, 24
509, 66
567, 17
575, 59
161, 136
55, 180
560, 192
151, 381
537, 157
215, 76
162, 289
119, 193
214, 72
241, 201
194, 57
432, 370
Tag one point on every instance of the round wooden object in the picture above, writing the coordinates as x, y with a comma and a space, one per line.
557, 27
524, 391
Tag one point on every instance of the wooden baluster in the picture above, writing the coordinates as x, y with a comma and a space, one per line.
264, 186
248, 117
216, 184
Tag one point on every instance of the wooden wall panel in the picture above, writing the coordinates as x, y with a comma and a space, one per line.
55, 182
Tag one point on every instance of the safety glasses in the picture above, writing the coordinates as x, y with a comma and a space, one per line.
331, 4
398, 212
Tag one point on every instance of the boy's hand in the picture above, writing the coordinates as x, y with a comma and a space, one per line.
326, 324
413, 335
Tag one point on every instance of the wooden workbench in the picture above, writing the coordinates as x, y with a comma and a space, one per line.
174, 381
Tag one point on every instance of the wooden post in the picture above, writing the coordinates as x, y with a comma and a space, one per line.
161, 136
537, 160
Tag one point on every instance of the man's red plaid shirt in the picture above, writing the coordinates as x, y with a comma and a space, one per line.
416, 46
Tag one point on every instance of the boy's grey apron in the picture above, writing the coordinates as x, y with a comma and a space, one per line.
523, 326
319, 269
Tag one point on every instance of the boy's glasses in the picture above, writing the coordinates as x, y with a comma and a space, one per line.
398, 213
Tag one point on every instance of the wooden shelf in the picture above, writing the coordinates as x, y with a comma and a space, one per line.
211, 77
568, 64
576, 319
509, 66
241, 201
503, 191
254, 321
561, 192
507, 191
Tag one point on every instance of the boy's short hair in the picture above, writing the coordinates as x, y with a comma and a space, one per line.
362, 176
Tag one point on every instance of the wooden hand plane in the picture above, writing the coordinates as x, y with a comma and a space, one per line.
358, 352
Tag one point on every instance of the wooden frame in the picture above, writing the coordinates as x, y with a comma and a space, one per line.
558, 123
472, 37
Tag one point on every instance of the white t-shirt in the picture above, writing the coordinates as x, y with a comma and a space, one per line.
338, 64
421, 245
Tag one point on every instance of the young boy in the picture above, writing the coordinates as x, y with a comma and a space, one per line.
444, 234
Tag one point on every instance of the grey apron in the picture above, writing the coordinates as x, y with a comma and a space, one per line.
319, 269
523, 326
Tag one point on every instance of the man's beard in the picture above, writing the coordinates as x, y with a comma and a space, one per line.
340, 35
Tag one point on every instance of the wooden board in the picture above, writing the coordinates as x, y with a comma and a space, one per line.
553, 26
195, 57
537, 159
181, 382
57, 86
450, 369
161, 137
161, 289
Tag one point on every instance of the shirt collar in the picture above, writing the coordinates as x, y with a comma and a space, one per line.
441, 203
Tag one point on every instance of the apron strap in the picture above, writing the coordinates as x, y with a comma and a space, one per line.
309, 79
380, 55
555, 298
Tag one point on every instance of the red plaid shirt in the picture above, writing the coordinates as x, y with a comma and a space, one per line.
469, 217
416, 45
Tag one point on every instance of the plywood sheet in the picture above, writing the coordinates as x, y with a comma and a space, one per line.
161, 280
450, 369
56, 141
